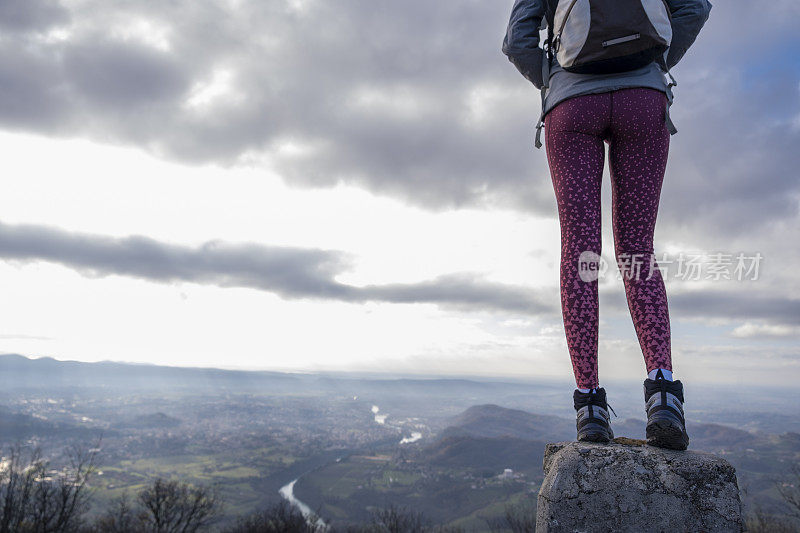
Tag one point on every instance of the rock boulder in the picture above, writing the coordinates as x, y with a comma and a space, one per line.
627, 485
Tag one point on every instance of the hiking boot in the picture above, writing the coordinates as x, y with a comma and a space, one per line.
666, 425
593, 420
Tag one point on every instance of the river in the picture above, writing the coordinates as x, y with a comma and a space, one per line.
287, 491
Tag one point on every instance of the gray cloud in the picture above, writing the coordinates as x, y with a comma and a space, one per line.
382, 94
108, 75
19, 16
289, 272
295, 273
736, 305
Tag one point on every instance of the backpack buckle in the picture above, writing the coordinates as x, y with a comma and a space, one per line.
556, 43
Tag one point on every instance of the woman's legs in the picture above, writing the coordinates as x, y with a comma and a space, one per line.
575, 153
638, 151
632, 121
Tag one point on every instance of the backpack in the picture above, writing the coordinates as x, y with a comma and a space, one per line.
605, 36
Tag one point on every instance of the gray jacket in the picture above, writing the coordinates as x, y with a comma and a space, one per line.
521, 45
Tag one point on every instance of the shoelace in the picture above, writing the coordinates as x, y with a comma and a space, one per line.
607, 405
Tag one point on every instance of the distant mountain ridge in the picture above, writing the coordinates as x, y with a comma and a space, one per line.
491, 421
20, 372
151, 420
17, 371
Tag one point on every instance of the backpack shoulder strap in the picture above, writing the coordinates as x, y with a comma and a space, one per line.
549, 14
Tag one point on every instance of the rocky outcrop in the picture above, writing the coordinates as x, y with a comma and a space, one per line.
627, 485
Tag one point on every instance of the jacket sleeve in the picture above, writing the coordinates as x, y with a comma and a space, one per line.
521, 43
688, 17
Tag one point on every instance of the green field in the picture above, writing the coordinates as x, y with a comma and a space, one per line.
242, 476
349, 490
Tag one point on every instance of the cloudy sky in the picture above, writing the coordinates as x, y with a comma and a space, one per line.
352, 185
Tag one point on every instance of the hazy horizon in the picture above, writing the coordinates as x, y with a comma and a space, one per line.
770, 393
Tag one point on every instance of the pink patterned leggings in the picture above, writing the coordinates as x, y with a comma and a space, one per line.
632, 122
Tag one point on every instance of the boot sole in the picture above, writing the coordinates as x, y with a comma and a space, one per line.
594, 437
664, 434
595, 433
